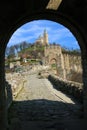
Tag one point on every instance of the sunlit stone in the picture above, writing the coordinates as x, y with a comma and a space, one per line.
53, 4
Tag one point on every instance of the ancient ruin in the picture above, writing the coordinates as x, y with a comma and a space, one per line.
66, 63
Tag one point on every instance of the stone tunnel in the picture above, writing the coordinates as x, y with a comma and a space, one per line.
13, 14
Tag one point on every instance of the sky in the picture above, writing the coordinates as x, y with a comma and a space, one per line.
57, 33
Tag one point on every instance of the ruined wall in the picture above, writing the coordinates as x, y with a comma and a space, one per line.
55, 52
68, 65
75, 63
73, 67
51, 52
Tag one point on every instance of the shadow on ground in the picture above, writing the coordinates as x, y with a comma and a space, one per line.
42, 114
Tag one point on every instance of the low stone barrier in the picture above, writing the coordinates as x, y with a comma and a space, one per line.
68, 87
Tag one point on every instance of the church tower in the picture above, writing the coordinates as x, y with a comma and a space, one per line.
45, 37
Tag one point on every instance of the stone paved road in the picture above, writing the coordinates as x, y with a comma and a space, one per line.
38, 101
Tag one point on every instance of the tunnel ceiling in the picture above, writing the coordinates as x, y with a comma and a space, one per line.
13, 11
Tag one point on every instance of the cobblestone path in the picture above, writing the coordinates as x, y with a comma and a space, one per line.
38, 101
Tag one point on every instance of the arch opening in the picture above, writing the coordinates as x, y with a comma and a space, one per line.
52, 41
57, 56
75, 32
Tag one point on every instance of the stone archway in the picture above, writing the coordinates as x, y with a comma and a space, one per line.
54, 52
53, 63
49, 15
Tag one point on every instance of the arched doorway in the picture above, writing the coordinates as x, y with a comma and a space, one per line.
53, 63
50, 15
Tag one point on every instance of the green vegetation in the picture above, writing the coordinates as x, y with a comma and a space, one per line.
24, 50
53, 66
72, 51
31, 51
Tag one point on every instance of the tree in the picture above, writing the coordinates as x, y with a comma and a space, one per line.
23, 45
16, 46
7, 51
11, 52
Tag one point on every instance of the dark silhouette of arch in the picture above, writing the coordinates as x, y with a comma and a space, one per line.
15, 16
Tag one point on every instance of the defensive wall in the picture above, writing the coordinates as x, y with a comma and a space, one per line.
73, 89
66, 63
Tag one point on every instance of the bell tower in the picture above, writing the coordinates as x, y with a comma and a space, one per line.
45, 37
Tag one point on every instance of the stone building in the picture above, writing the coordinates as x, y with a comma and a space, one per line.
66, 63
42, 40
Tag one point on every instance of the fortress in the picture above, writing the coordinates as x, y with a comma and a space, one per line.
65, 64
68, 65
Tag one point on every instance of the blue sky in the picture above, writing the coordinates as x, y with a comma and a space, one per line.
57, 33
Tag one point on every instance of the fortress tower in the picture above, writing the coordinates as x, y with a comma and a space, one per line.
43, 40
45, 37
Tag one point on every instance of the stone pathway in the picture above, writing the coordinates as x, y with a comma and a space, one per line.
39, 102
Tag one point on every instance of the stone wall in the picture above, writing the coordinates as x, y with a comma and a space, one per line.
67, 64
71, 88
14, 83
73, 67
51, 52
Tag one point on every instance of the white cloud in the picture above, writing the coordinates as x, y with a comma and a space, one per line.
30, 31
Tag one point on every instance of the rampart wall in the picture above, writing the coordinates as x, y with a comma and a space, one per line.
68, 87
72, 67
67, 64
